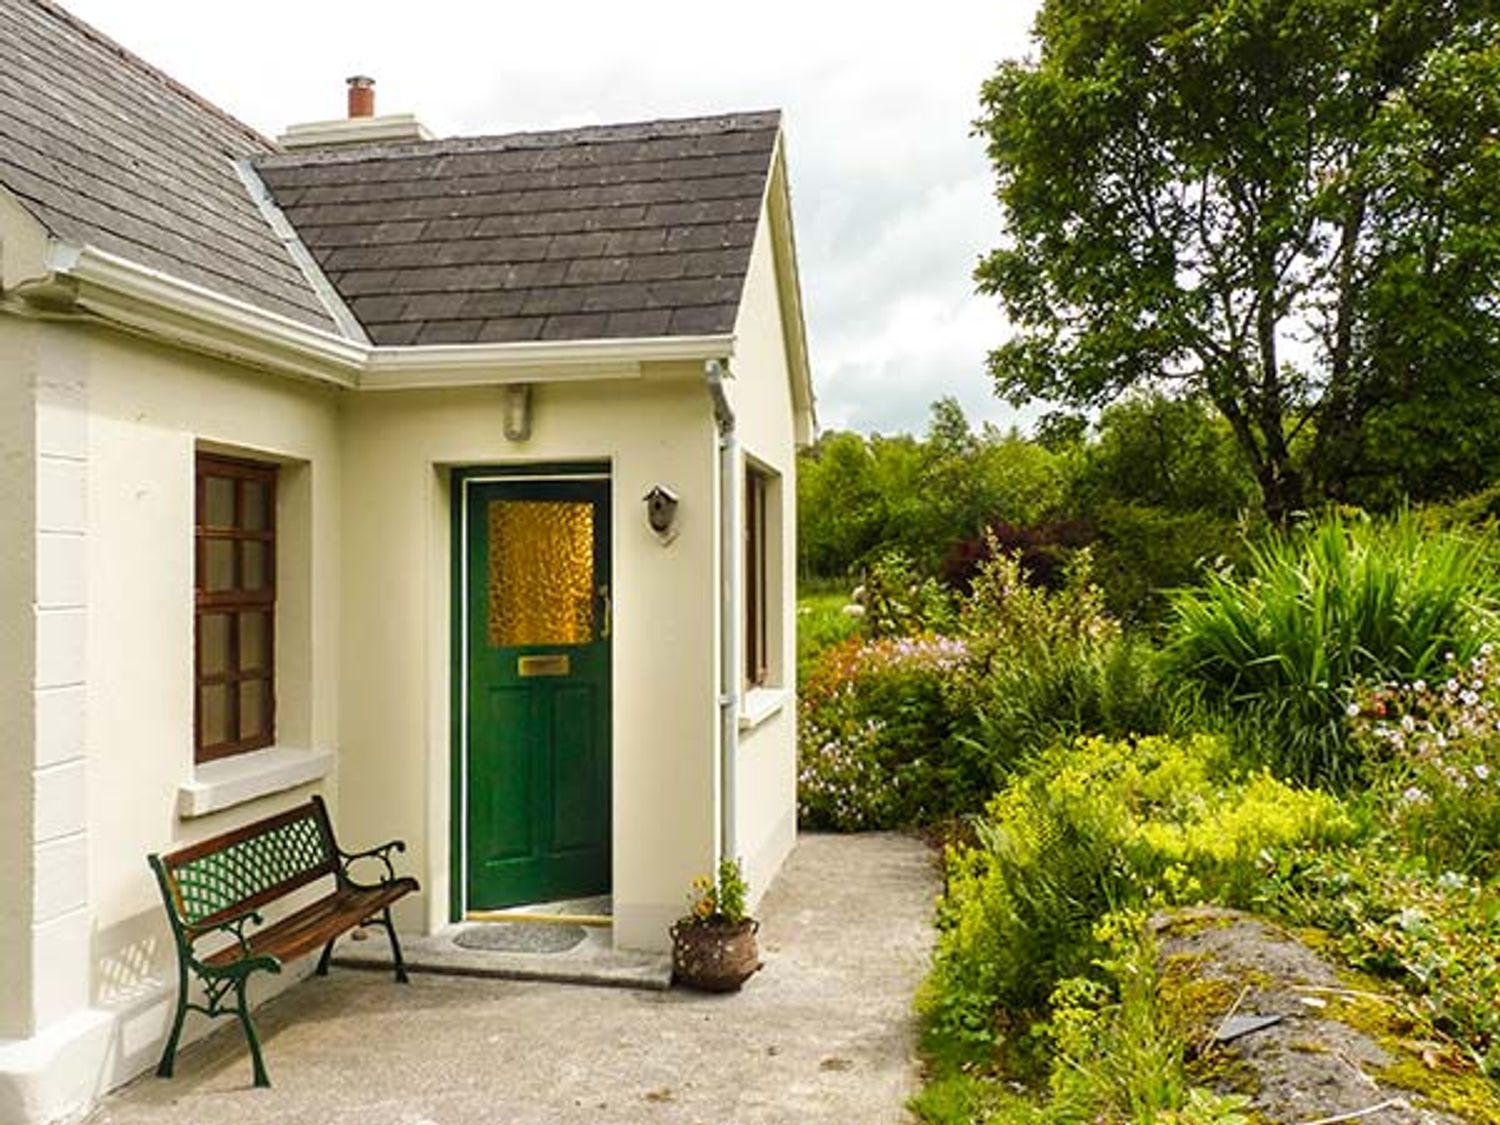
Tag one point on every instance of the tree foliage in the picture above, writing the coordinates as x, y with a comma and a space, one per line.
1288, 207
859, 497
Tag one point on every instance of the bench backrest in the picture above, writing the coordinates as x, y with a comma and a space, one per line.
250, 866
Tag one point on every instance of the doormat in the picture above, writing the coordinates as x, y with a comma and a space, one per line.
520, 937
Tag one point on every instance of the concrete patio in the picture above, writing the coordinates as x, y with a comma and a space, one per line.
824, 1033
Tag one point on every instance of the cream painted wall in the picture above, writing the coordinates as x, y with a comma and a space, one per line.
395, 775
17, 661
766, 792
150, 408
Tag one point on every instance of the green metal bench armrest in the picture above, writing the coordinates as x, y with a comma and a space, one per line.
235, 927
382, 852
236, 969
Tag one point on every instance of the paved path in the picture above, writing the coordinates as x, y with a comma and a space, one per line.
823, 1034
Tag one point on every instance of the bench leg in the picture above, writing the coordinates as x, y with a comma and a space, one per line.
323, 960
168, 1056
390, 929
244, 1011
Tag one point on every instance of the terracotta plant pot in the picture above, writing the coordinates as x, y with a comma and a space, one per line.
714, 956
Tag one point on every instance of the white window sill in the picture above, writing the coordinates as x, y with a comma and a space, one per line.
232, 781
759, 704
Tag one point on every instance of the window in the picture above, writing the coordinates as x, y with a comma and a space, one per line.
234, 607
757, 587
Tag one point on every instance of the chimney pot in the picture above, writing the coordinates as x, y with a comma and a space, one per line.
361, 96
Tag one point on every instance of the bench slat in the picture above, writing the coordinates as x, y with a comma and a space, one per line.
317, 924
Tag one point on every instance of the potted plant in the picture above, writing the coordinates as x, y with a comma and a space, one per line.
713, 945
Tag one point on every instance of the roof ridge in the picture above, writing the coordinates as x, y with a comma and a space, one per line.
124, 54
615, 132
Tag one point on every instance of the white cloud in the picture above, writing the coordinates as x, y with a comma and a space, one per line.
892, 196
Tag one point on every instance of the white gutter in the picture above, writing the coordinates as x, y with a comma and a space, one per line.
160, 305
530, 361
729, 618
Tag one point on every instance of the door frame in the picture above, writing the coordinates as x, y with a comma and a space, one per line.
459, 481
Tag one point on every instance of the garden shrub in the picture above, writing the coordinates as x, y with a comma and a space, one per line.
1050, 665
911, 730
1142, 553
876, 737
1101, 826
1278, 652
898, 602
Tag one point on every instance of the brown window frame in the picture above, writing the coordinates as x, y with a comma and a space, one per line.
757, 622
231, 603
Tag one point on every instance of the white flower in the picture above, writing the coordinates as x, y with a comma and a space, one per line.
1410, 918
1408, 724
1413, 795
1482, 772
1420, 685
1352, 710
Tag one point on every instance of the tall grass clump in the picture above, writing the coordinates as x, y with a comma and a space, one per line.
1276, 652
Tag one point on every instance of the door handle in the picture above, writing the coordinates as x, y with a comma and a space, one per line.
606, 608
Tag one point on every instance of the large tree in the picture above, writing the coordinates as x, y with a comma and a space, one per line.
1290, 207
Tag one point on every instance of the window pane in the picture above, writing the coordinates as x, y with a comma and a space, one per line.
253, 574
213, 717
218, 502
541, 572
218, 564
253, 642
252, 709
213, 644
254, 514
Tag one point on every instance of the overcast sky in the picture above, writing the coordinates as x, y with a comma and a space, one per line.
892, 195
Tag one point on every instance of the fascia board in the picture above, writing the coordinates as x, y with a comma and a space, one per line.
778, 208
442, 365
158, 304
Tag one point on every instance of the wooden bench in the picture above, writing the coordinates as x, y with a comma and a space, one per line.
218, 886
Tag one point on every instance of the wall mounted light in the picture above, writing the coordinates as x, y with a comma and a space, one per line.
518, 411
661, 512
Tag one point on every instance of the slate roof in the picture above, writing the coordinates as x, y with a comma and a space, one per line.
105, 150
608, 232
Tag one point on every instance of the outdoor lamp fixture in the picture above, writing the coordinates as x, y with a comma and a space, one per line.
661, 512
518, 411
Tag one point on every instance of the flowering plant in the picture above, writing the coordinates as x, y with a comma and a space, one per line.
720, 900
1438, 747
874, 731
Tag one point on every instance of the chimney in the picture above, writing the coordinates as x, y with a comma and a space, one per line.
361, 96
361, 127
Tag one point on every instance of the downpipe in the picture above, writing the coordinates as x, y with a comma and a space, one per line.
714, 373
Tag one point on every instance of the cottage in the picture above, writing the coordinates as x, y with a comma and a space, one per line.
452, 480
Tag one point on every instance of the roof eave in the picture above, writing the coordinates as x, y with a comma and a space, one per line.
150, 302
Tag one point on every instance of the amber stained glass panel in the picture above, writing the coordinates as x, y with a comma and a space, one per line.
541, 572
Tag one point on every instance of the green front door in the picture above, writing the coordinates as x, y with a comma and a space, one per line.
537, 723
